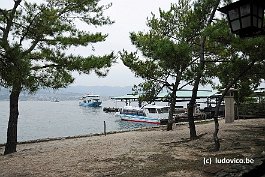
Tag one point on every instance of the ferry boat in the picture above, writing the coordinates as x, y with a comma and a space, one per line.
149, 114
90, 101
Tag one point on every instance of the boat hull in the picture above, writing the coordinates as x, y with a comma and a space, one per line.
137, 118
93, 104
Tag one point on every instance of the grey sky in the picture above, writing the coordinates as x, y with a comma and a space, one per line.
129, 16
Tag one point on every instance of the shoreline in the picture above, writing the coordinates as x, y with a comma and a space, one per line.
107, 133
81, 136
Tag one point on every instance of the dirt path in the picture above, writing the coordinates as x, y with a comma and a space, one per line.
145, 153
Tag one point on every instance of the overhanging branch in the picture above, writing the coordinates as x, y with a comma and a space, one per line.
185, 84
46, 66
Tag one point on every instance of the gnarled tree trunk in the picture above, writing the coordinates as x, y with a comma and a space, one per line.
216, 128
11, 143
173, 103
216, 123
192, 102
192, 127
199, 75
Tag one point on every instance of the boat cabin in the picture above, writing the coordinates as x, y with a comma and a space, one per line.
90, 100
149, 109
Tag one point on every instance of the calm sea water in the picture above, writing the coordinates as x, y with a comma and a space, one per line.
45, 119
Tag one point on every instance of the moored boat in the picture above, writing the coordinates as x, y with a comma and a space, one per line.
148, 114
111, 109
90, 101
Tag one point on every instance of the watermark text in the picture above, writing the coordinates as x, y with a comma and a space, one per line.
224, 160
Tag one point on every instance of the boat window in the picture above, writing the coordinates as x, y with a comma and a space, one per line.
140, 113
164, 110
151, 110
130, 111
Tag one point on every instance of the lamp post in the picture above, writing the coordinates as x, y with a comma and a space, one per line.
245, 17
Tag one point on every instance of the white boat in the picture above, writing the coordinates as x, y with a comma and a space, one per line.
55, 100
90, 101
149, 114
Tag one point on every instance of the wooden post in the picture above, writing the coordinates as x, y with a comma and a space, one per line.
105, 128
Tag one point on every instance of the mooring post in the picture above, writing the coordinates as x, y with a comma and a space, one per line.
105, 128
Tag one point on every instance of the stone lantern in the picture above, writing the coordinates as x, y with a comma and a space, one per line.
230, 106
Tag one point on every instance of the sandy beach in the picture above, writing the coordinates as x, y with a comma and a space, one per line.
143, 153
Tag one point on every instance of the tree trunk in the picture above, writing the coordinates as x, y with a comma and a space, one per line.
199, 75
11, 143
192, 102
216, 128
172, 109
191, 106
192, 127
216, 124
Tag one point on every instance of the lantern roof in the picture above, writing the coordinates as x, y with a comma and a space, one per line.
236, 4
245, 17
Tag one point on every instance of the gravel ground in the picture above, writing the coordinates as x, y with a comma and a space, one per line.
144, 153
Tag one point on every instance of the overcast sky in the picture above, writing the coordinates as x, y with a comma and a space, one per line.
129, 16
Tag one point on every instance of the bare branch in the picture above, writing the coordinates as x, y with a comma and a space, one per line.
193, 61
10, 21
32, 47
46, 66
185, 84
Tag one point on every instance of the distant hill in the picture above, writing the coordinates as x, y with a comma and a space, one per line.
69, 93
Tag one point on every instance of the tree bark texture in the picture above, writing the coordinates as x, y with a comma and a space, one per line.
192, 102
216, 128
173, 103
192, 127
172, 109
11, 143
198, 77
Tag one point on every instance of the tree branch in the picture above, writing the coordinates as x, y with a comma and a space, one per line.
159, 80
192, 62
28, 28
46, 66
9, 21
32, 47
185, 84
2, 29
